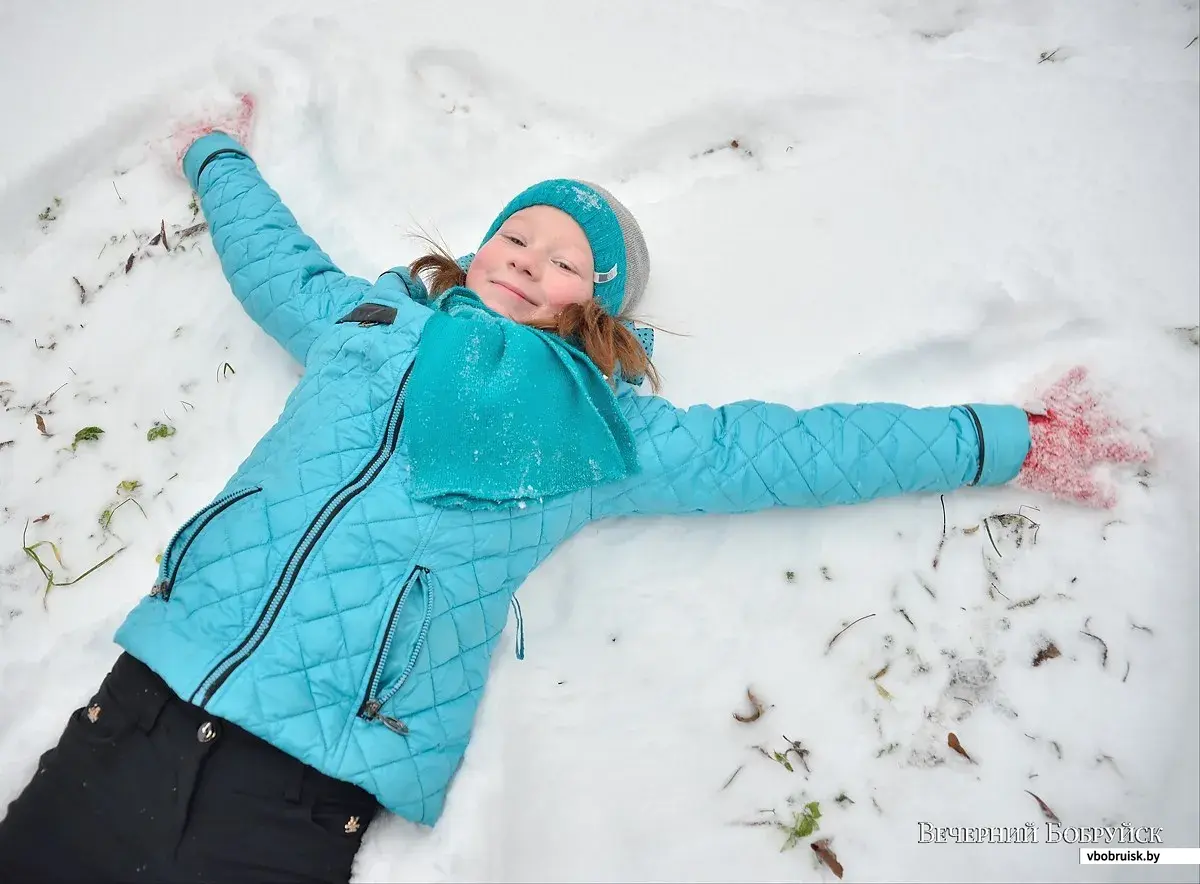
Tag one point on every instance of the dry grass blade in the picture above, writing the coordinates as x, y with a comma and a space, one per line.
193, 230
941, 543
31, 551
732, 777
757, 709
1049, 814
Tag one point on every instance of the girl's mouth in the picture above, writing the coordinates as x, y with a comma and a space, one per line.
514, 291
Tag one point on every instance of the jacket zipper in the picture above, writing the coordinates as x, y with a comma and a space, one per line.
373, 702
201, 519
308, 542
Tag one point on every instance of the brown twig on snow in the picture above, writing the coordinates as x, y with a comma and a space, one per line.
992, 539
1103, 646
844, 628
732, 776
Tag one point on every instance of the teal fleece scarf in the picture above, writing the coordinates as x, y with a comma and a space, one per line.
497, 413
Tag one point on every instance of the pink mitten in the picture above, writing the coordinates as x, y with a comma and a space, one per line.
1072, 435
236, 121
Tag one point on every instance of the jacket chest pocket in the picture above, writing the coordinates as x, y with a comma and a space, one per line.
404, 638
179, 545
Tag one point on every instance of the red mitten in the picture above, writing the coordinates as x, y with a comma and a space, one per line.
1072, 435
235, 121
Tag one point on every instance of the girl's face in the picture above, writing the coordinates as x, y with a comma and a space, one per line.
538, 262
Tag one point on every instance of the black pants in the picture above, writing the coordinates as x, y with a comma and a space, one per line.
143, 786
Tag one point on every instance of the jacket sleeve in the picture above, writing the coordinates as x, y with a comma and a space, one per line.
753, 455
281, 277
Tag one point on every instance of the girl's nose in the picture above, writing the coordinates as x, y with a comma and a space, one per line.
522, 262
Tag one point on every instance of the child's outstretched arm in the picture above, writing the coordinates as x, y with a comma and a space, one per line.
278, 273
752, 455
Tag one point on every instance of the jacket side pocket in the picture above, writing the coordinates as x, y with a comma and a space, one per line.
177, 547
418, 591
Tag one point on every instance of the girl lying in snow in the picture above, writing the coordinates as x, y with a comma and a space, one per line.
318, 636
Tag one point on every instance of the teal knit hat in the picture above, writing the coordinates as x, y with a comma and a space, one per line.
622, 262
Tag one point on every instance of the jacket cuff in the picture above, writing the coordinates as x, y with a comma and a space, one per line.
1002, 432
203, 148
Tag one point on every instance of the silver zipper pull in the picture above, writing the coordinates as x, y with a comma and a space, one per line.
371, 711
395, 725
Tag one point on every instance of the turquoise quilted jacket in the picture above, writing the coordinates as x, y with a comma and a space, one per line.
315, 604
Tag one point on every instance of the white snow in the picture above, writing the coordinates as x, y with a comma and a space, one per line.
918, 210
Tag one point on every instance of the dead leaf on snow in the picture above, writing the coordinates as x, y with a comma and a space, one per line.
1049, 652
953, 743
827, 856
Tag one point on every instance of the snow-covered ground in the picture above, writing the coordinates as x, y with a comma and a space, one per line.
929, 201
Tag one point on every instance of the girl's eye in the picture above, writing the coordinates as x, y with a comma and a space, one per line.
516, 240
565, 266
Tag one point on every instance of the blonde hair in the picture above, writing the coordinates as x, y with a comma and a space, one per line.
602, 337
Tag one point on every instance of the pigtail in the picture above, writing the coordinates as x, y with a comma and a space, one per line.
607, 342
444, 271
